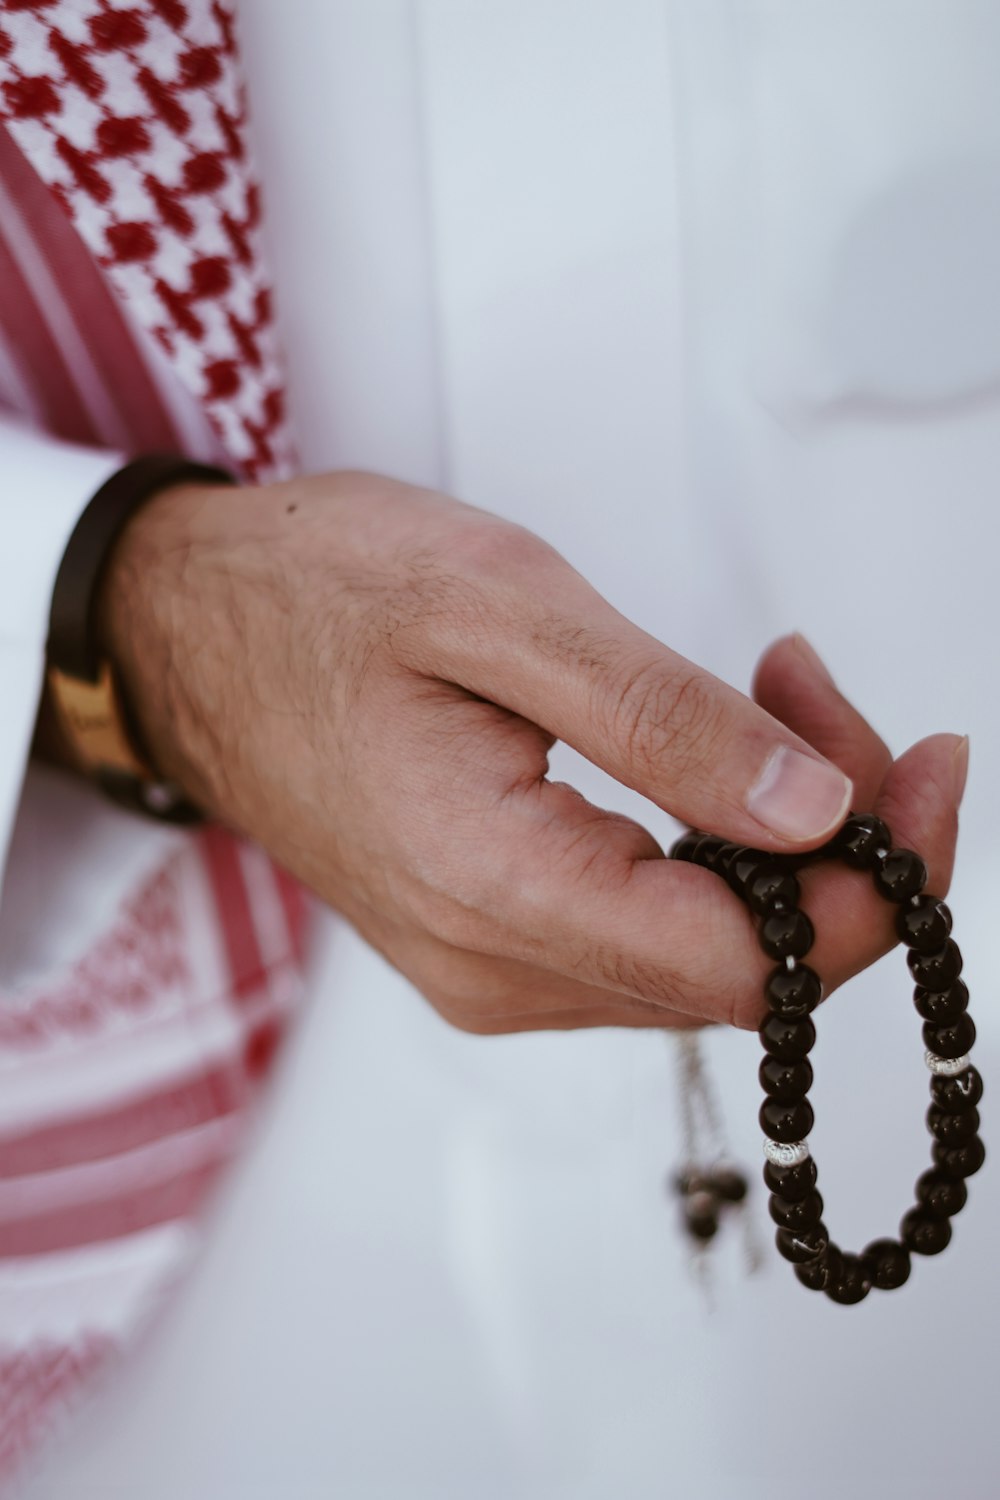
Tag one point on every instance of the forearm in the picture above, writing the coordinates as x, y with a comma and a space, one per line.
185, 612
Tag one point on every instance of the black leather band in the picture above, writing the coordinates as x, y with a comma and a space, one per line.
72, 643
73, 647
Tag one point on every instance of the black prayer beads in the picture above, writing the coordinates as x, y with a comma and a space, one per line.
768, 885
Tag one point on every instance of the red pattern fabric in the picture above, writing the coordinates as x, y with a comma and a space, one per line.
135, 117
139, 959
55, 248
36, 1384
129, 215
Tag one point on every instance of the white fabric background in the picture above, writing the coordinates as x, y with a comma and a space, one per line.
706, 293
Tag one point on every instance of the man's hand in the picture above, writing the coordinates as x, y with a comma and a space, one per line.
367, 678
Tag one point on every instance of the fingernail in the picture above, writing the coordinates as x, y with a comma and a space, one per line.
960, 766
804, 649
799, 797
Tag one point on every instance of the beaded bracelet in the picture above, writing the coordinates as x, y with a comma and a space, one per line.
767, 883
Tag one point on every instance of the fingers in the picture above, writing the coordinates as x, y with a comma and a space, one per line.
491, 996
792, 683
918, 797
919, 801
541, 642
584, 899
584, 895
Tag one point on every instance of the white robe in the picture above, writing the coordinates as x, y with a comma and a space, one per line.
706, 293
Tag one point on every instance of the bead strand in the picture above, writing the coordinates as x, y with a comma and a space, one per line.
768, 885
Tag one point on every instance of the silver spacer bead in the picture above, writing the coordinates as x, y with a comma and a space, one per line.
947, 1067
789, 962
786, 1154
880, 854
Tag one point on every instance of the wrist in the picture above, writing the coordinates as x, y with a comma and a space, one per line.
157, 611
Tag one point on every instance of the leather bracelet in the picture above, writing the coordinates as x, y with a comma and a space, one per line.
89, 705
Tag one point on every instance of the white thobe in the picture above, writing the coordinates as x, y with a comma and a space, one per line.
706, 294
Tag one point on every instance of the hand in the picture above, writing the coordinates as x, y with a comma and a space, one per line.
367, 678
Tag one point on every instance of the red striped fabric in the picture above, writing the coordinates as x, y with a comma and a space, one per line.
33, 347
121, 1126
125, 1082
97, 316
112, 1215
236, 918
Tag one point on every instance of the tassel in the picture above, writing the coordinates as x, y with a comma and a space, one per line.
710, 1186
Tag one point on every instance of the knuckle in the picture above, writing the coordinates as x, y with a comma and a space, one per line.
453, 589
479, 900
469, 904
491, 549
445, 916
588, 861
625, 972
449, 879
458, 1013
466, 988
486, 1008
575, 645
595, 838
666, 719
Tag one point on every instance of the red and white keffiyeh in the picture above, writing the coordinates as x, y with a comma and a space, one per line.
133, 115
134, 314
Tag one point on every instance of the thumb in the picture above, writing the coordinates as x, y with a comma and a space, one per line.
560, 655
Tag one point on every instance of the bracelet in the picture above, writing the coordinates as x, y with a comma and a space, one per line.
768, 884
82, 685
